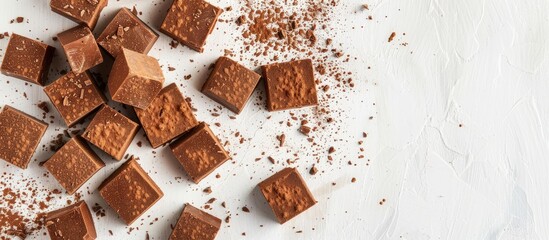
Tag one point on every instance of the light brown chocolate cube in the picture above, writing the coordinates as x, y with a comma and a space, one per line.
81, 49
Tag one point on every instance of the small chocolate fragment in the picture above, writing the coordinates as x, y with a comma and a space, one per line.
72, 222
230, 84
287, 194
135, 79
20, 135
130, 191
75, 96
167, 117
81, 49
129, 32
83, 11
111, 132
290, 85
74, 164
27, 59
200, 152
190, 22
195, 224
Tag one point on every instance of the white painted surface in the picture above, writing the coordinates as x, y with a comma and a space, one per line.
479, 63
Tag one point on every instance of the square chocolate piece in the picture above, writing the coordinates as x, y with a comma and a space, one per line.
74, 164
27, 59
127, 31
130, 191
195, 224
81, 49
20, 135
167, 117
200, 152
287, 194
74, 96
290, 85
230, 84
82, 11
135, 79
111, 132
190, 22
72, 222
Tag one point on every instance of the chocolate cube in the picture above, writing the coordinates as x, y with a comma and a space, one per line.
230, 84
27, 59
195, 224
72, 222
74, 96
200, 152
81, 49
127, 31
167, 117
290, 85
130, 191
287, 194
111, 132
190, 22
74, 164
82, 11
20, 135
135, 79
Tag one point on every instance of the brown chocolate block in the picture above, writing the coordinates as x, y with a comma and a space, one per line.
81, 49
200, 152
167, 117
290, 85
74, 96
190, 22
111, 132
27, 59
82, 11
130, 191
230, 84
72, 222
20, 135
135, 79
195, 224
127, 31
73, 164
287, 194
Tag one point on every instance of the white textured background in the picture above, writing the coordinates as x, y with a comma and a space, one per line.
458, 143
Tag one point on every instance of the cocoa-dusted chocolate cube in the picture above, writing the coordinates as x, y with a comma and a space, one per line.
20, 135
72, 222
111, 132
195, 224
127, 31
230, 84
167, 117
27, 59
200, 152
190, 22
82, 11
73, 164
287, 194
130, 191
74, 96
81, 49
290, 85
135, 79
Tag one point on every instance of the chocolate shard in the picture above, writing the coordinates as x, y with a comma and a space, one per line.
27, 59
20, 135
230, 84
86, 12
72, 222
195, 224
135, 79
80, 48
191, 22
130, 191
